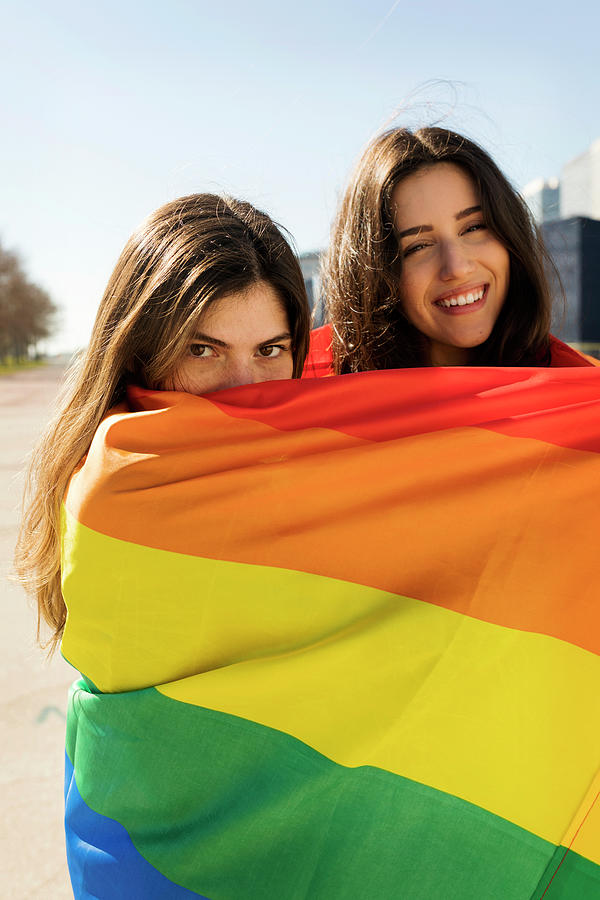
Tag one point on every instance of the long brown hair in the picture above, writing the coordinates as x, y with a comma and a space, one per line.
185, 256
362, 267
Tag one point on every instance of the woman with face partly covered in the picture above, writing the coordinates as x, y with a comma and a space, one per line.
206, 295
435, 261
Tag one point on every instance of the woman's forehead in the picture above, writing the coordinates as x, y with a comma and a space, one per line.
245, 315
433, 190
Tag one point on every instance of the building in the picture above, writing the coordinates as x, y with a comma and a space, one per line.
580, 185
543, 198
574, 245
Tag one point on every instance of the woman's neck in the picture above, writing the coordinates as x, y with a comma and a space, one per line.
446, 355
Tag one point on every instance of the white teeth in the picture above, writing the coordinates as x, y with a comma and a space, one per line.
462, 299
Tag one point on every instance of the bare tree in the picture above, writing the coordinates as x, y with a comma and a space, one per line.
27, 314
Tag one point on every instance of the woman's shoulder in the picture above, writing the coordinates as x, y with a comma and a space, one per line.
564, 356
319, 361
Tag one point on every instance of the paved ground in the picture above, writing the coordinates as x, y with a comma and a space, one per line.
33, 696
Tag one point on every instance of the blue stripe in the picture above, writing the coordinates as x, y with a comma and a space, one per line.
103, 862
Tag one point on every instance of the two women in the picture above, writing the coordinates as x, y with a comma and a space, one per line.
321, 626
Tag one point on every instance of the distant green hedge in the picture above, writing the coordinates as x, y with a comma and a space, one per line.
8, 366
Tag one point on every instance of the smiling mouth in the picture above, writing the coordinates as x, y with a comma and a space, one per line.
468, 299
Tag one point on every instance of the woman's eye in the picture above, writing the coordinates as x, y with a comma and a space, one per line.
476, 226
271, 350
414, 249
200, 350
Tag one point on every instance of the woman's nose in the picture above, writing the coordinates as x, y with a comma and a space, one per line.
239, 372
456, 261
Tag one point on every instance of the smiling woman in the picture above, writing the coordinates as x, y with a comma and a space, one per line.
455, 272
435, 260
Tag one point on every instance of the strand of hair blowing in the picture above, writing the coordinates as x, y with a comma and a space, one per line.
363, 264
65, 441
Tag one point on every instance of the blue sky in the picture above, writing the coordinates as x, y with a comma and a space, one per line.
110, 109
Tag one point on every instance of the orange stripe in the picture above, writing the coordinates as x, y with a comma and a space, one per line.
508, 538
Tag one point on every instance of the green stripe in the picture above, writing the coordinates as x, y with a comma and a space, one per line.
569, 876
232, 809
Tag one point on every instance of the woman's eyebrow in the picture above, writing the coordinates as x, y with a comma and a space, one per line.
417, 229
201, 338
467, 212
207, 339
286, 336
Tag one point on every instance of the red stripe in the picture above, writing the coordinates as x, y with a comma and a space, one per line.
558, 406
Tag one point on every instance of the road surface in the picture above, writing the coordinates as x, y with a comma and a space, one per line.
34, 690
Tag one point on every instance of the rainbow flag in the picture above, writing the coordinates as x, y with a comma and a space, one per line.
339, 638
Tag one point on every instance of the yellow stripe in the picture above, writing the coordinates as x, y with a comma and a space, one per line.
583, 835
505, 719
136, 615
